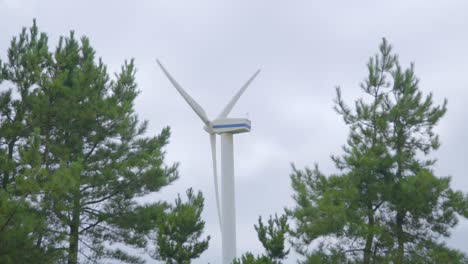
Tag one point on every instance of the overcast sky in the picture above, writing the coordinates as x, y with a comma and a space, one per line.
304, 48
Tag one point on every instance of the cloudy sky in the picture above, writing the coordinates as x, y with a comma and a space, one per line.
304, 48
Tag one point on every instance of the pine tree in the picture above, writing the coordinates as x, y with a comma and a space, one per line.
424, 204
179, 231
249, 258
91, 157
387, 204
273, 238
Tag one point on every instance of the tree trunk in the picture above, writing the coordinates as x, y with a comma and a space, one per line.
400, 237
370, 235
399, 219
74, 231
6, 174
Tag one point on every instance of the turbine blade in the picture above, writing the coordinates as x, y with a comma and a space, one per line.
215, 175
236, 97
193, 104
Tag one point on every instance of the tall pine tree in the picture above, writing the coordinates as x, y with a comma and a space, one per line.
73, 153
272, 235
179, 230
386, 204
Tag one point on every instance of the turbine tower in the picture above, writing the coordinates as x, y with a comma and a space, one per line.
225, 127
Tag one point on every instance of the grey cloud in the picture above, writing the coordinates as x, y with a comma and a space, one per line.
305, 49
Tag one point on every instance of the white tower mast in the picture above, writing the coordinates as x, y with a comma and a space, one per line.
226, 127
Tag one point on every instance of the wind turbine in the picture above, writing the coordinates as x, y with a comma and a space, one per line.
225, 127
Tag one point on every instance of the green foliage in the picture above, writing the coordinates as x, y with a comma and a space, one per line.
73, 155
322, 256
386, 205
321, 204
179, 231
249, 258
273, 236
437, 253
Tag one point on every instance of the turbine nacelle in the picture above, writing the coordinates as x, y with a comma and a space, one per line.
229, 125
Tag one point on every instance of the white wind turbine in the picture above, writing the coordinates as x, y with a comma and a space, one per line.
225, 127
